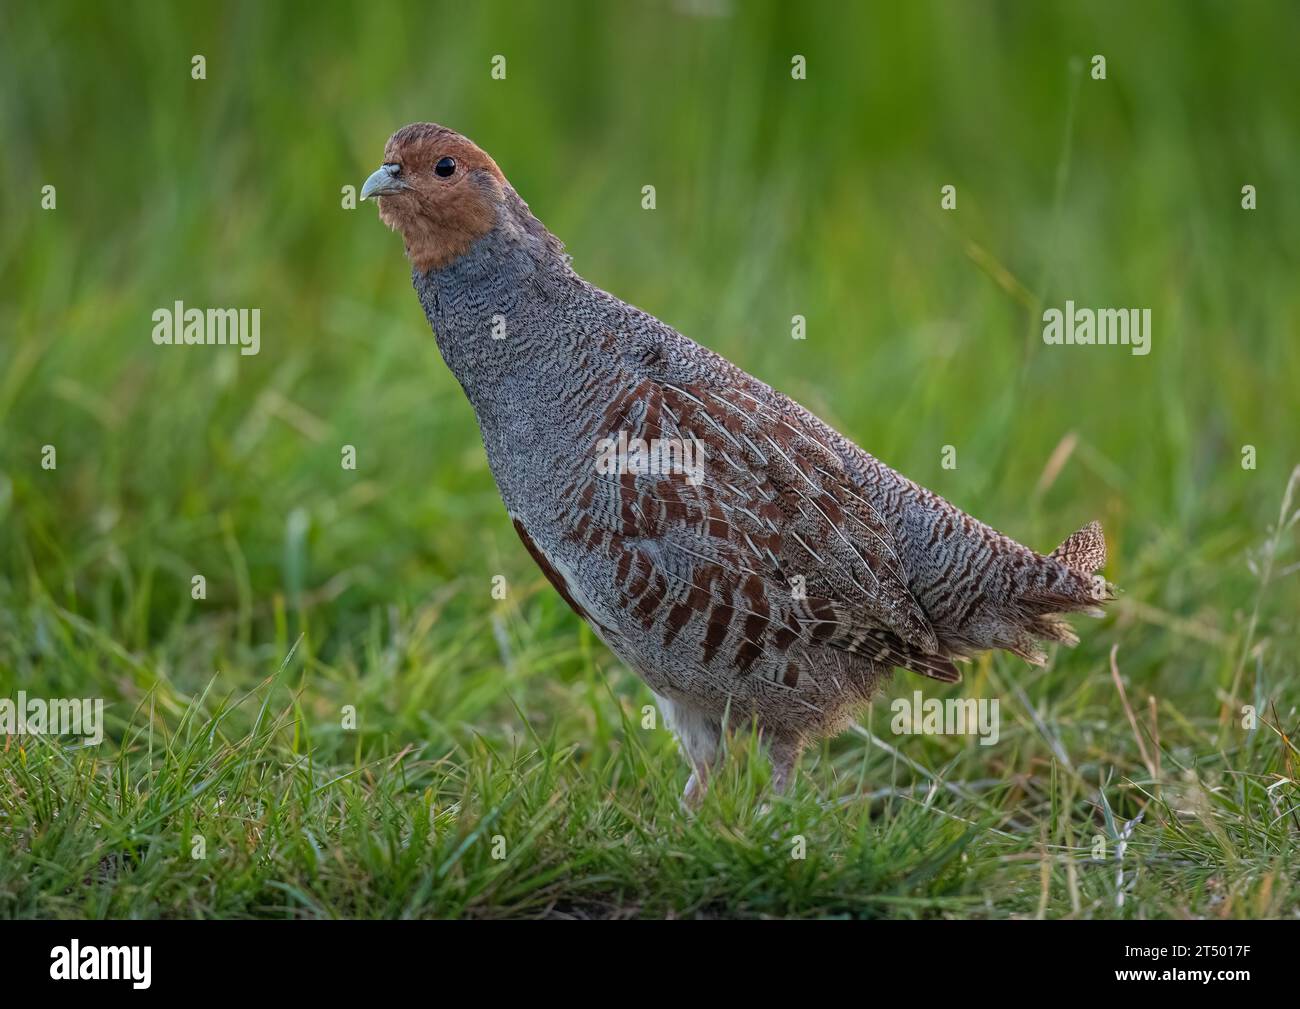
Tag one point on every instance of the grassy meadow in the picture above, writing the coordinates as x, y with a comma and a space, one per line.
501, 762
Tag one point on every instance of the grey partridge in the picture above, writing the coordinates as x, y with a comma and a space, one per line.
776, 572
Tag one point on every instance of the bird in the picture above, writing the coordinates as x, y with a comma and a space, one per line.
751, 564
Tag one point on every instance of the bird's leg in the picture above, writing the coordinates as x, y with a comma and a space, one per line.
702, 749
699, 736
696, 785
785, 755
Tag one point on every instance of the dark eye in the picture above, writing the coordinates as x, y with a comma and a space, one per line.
445, 167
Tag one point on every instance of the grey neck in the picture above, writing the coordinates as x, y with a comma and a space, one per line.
501, 313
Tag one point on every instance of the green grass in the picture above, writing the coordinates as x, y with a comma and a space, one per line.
480, 718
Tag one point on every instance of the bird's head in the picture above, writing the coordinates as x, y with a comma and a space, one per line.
439, 190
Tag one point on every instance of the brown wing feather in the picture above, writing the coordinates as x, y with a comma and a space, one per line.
774, 513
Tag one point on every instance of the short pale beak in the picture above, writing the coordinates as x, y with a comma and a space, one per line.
383, 182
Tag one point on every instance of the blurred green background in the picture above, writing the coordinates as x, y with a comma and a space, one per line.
775, 197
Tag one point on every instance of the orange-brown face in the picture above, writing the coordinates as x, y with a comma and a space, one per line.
439, 190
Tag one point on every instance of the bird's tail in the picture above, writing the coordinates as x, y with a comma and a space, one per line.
1084, 551
1065, 582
